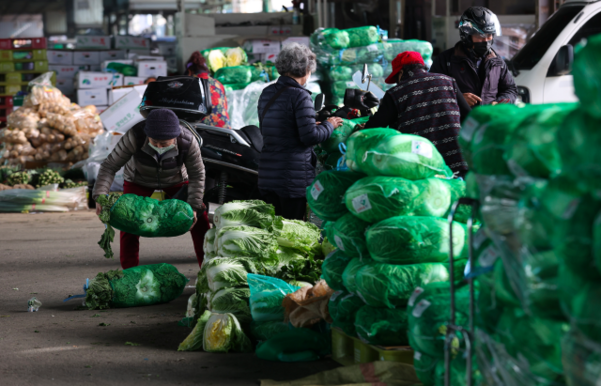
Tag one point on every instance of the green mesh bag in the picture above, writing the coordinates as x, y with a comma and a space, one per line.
342, 73
331, 161
387, 285
343, 307
581, 359
425, 368
349, 275
332, 269
142, 216
393, 47
262, 331
386, 152
414, 240
532, 149
458, 372
336, 38
325, 195
348, 234
587, 80
429, 312
234, 75
382, 326
138, 286
504, 291
362, 36
340, 134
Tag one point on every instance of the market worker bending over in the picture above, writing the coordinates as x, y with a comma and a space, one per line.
158, 154
429, 105
481, 74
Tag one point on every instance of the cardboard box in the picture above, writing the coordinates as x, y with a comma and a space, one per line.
269, 57
118, 93
124, 113
93, 96
10, 44
131, 42
66, 72
93, 42
133, 80
265, 46
60, 57
111, 55
101, 109
90, 79
148, 58
86, 57
104, 64
65, 85
148, 69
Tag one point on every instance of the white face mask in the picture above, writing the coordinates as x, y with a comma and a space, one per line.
161, 150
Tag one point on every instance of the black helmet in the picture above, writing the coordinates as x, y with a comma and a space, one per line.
477, 20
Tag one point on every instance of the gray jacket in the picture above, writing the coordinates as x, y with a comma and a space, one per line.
142, 165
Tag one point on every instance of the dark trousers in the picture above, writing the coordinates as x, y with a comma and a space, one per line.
130, 244
290, 208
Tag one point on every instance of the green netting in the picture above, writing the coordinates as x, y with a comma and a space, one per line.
349, 275
504, 292
233, 301
458, 373
382, 326
234, 75
343, 307
458, 189
266, 296
429, 315
336, 38
138, 286
386, 152
262, 331
587, 80
296, 345
325, 195
332, 269
425, 368
471, 186
414, 240
387, 285
362, 36
581, 359
340, 134
348, 234
532, 149
332, 159
342, 73
393, 47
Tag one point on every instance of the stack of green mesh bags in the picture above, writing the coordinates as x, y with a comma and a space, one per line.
248, 238
329, 151
341, 53
386, 218
535, 170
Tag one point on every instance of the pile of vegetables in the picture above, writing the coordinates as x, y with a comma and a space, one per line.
220, 57
248, 239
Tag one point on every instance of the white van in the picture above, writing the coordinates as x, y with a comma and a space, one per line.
543, 65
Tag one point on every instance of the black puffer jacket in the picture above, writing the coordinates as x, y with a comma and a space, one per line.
289, 131
498, 82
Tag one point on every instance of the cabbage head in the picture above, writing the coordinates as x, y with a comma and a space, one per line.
252, 213
333, 267
244, 241
348, 234
325, 195
349, 275
293, 266
224, 272
233, 301
209, 243
216, 60
223, 333
299, 235
343, 307
382, 326
235, 57
415, 239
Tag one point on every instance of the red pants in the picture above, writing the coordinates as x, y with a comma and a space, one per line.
130, 244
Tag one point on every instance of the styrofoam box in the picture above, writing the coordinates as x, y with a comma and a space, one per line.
65, 85
148, 69
269, 57
124, 113
86, 57
145, 58
89, 79
104, 64
265, 46
132, 42
112, 55
132, 53
133, 80
60, 57
118, 93
66, 72
93, 42
92, 96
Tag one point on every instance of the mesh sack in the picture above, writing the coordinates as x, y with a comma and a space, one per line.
425, 367
587, 81
348, 234
262, 331
332, 269
382, 326
414, 240
325, 195
343, 307
393, 47
340, 134
581, 359
362, 36
349, 275
234, 75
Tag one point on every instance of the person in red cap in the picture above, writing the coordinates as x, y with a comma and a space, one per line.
425, 104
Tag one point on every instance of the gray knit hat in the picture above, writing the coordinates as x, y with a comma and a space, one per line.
162, 124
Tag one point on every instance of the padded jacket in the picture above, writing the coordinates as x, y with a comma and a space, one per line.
143, 166
287, 164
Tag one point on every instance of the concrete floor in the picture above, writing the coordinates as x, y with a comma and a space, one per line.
49, 256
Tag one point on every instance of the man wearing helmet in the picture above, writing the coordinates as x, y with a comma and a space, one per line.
482, 76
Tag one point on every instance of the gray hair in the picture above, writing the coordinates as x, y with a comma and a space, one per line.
295, 60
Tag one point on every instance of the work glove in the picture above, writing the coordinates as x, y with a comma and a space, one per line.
359, 99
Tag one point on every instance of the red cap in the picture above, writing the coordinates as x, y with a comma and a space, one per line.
402, 60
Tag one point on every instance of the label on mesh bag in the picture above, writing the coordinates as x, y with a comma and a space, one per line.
335, 295
316, 190
420, 308
416, 292
488, 257
361, 203
417, 355
339, 243
421, 148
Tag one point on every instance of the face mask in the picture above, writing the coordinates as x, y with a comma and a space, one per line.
161, 150
482, 48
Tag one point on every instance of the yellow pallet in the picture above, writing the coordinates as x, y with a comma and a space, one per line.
348, 350
23, 55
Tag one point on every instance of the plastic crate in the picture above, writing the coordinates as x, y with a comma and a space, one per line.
28, 66
12, 89
23, 55
22, 77
6, 100
348, 350
5, 111
22, 43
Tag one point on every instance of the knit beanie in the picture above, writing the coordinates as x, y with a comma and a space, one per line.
162, 124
